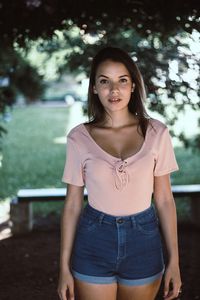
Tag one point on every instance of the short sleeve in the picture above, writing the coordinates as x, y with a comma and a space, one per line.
73, 170
165, 161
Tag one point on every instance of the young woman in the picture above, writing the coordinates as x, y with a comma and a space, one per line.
111, 249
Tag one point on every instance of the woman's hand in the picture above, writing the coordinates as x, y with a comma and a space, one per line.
66, 286
172, 282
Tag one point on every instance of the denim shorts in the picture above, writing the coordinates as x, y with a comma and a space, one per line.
122, 249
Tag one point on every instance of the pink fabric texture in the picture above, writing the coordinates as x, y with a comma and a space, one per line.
116, 186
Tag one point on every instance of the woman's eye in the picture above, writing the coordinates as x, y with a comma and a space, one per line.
123, 80
104, 81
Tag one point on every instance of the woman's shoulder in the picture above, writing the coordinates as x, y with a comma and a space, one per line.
157, 124
76, 130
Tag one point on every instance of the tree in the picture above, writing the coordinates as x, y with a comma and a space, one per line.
155, 57
36, 18
17, 76
143, 27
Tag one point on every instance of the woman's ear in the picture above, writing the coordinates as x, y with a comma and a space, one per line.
94, 90
133, 87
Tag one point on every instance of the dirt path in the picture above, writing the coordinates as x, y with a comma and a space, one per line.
29, 264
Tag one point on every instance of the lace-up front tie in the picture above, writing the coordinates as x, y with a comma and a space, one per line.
121, 174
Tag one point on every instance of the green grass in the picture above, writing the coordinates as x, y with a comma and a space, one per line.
189, 164
32, 158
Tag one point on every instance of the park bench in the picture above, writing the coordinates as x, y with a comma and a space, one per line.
21, 206
21, 213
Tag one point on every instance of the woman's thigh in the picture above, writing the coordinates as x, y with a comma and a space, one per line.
90, 291
142, 292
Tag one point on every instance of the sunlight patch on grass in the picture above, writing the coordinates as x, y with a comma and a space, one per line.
60, 140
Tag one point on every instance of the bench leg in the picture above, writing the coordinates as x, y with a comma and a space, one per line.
21, 216
195, 210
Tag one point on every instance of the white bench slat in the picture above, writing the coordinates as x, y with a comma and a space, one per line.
189, 188
48, 192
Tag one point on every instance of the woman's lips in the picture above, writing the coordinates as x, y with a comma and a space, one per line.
114, 100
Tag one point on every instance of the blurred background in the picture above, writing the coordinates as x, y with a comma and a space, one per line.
46, 48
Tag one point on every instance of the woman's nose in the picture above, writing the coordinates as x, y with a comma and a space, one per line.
114, 86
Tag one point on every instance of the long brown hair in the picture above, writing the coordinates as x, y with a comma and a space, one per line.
96, 111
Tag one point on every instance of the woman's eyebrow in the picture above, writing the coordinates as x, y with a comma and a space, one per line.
103, 76
108, 77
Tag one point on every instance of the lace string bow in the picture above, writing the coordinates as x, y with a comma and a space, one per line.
121, 174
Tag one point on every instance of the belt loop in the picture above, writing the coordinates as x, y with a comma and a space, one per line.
133, 221
101, 217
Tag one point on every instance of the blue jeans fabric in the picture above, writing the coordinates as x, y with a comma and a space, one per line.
123, 249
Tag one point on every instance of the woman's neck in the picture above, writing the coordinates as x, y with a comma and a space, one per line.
119, 120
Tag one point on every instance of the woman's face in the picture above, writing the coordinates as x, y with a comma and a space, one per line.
114, 85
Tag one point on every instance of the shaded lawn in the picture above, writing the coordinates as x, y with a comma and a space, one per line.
33, 159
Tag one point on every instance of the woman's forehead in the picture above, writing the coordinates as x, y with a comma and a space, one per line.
110, 68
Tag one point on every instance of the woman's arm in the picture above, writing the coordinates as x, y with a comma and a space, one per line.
70, 216
166, 209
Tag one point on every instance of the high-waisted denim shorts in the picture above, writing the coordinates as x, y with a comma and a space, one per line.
123, 249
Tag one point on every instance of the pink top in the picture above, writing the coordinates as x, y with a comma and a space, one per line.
115, 186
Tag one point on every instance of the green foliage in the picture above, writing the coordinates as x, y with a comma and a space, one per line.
146, 29
166, 65
21, 78
28, 82
34, 19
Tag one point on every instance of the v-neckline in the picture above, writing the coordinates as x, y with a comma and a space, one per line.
110, 155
